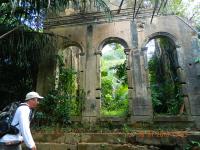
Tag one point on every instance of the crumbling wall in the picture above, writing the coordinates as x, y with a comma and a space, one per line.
135, 34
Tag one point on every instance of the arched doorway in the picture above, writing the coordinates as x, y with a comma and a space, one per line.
68, 77
162, 65
114, 79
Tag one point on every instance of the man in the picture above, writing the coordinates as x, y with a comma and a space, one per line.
22, 120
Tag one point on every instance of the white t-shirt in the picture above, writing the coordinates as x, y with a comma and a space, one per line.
21, 117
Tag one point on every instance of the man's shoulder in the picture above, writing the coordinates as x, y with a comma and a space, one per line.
23, 106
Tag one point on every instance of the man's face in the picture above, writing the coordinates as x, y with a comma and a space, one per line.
34, 102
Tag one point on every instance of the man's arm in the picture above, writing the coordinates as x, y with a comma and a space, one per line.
24, 124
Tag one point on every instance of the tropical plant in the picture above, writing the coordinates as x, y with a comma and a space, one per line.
121, 73
63, 101
175, 7
192, 145
189, 10
165, 88
114, 81
20, 45
22, 48
33, 13
20, 56
106, 92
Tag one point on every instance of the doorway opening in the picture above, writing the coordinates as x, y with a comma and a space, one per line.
114, 86
68, 79
165, 86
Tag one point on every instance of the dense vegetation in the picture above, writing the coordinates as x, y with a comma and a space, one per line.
63, 101
23, 45
164, 81
20, 55
114, 81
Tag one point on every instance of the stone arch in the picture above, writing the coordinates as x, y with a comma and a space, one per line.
113, 40
73, 44
179, 64
76, 44
73, 52
171, 37
173, 40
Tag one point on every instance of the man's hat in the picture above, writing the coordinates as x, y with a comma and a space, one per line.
31, 95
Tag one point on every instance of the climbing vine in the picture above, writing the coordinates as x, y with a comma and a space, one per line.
63, 102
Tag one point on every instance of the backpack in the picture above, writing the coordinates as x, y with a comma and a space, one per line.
6, 117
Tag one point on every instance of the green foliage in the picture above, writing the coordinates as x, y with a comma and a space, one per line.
15, 80
197, 60
176, 7
114, 82
109, 102
20, 55
19, 64
118, 113
164, 85
62, 102
67, 81
67, 87
121, 73
55, 108
126, 128
116, 53
34, 12
189, 10
107, 85
192, 145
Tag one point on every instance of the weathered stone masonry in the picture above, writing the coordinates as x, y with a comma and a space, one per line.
133, 35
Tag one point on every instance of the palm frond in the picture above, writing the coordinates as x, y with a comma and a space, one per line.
21, 44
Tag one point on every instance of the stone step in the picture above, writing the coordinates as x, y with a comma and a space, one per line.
106, 146
88, 146
73, 138
87, 141
111, 138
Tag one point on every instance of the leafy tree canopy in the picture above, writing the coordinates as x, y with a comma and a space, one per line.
189, 9
33, 12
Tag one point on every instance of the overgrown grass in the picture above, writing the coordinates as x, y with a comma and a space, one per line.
118, 113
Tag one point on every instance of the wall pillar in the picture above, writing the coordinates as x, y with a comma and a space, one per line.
141, 103
98, 82
90, 104
81, 72
194, 81
129, 70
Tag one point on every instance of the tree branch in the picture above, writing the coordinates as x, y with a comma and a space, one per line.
2, 36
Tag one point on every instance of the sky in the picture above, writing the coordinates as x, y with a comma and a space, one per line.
192, 7
106, 48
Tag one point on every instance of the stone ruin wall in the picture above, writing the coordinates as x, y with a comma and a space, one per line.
133, 35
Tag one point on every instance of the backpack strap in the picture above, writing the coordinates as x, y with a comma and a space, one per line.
22, 104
